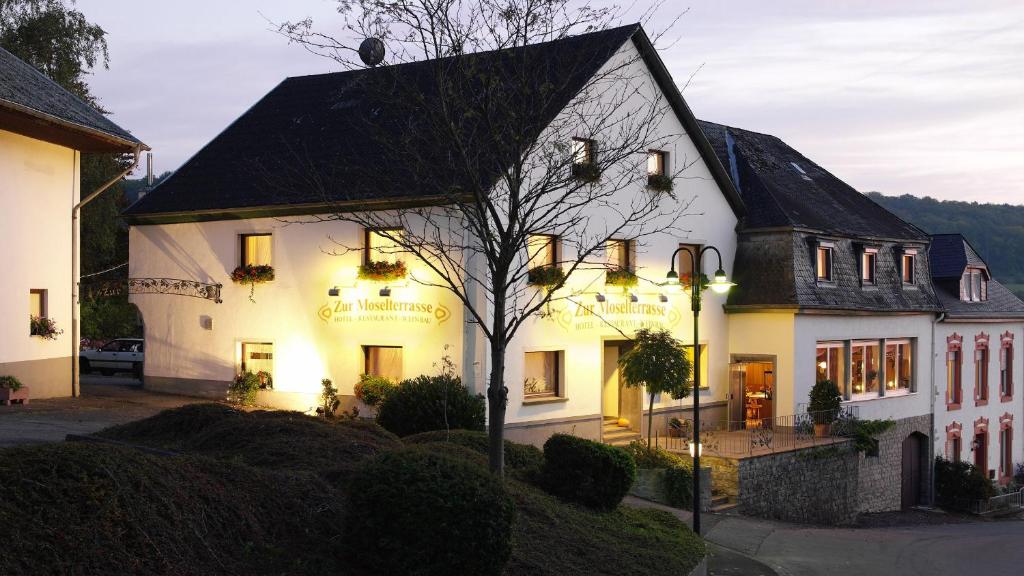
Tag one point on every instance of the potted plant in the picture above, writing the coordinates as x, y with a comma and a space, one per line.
381, 271
825, 403
659, 182
586, 171
12, 390
547, 276
252, 275
620, 277
45, 328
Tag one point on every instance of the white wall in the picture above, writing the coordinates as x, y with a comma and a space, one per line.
38, 187
771, 334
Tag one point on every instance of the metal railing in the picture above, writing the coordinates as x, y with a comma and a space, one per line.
1002, 503
729, 438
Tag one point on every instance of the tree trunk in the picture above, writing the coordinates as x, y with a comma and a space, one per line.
497, 399
650, 420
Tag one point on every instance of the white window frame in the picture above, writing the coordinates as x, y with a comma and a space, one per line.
830, 247
864, 257
911, 386
912, 255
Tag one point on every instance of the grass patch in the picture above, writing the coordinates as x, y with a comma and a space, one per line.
517, 456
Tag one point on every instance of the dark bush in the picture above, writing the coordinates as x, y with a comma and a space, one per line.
424, 512
679, 486
373, 390
517, 456
960, 484
428, 403
678, 471
591, 473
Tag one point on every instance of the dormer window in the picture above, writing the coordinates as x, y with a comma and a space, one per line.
823, 266
908, 267
868, 261
974, 285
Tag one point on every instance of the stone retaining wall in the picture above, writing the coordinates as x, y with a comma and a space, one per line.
879, 487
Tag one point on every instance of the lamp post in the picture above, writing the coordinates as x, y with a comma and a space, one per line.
720, 285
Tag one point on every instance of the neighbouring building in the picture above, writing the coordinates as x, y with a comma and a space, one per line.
44, 129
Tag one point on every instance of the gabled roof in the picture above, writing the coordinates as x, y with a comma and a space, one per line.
36, 106
950, 255
782, 188
319, 127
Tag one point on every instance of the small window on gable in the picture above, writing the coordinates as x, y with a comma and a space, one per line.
620, 255
255, 249
823, 266
908, 270
584, 151
657, 163
381, 245
868, 265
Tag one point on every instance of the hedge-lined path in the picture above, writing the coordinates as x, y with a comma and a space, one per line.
105, 401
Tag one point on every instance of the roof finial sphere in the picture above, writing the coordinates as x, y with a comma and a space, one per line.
371, 51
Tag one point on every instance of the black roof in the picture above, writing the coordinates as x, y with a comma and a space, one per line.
781, 187
331, 128
950, 255
26, 91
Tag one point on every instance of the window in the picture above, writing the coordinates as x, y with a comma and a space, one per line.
981, 369
864, 368
255, 249
383, 361
898, 366
657, 163
1006, 367
37, 303
868, 259
823, 266
584, 151
980, 445
258, 357
954, 372
381, 245
542, 376
974, 286
620, 255
685, 263
907, 267
703, 364
542, 250
1005, 448
829, 364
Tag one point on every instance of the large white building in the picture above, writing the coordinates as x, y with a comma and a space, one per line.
43, 131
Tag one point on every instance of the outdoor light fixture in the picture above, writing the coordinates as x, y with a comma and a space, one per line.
334, 291
662, 298
599, 297
385, 292
721, 285
633, 297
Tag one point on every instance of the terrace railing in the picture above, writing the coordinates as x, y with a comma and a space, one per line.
1004, 503
737, 439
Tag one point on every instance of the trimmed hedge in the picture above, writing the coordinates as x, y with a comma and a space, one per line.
678, 483
517, 456
428, 403
591, 473
430, 512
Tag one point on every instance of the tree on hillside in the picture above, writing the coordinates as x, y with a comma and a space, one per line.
486, 137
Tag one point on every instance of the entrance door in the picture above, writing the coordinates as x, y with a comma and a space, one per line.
910, 491
619, 400
737, 392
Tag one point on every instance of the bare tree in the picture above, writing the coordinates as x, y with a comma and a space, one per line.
503, 140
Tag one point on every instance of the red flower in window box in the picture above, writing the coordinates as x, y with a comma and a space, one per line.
45, 328
252, 275
380, 271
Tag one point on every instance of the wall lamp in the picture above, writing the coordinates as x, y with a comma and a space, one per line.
335, 291
599, 297
385, 292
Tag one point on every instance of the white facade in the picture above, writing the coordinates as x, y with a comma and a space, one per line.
39, 185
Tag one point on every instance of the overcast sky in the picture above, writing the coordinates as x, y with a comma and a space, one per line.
918, 97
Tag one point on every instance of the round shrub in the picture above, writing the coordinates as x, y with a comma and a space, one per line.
426, 512
372, 390
679, 487
517, 456
591, 473
428, 403
959, 484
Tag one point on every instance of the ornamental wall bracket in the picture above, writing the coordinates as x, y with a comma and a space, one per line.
171, 286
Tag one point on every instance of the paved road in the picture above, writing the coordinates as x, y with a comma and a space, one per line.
105, 401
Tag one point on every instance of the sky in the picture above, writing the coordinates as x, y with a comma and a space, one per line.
901, 97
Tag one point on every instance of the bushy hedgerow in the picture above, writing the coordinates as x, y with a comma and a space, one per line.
428, 403
960, 484
679, 487
429, 512
588, 472
517, 456
373, 390
678, 471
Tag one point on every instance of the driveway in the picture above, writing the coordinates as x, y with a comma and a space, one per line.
105, 401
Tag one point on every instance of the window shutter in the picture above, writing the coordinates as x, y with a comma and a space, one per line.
965, 280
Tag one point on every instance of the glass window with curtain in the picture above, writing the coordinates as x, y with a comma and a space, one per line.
1006, 453
898, 366
907, 268
981, 372
954, 375
829, 363
864, 368
382, 245
824, 263
258, 357
256, 249
383, 361
619, 254
542, 374
541, 250
703, 364
37, 303
656, 163
1006, 369
867, 266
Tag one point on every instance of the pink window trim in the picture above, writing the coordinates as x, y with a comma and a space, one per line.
1006, 364
981, 429
954, 343
981, 343
953, 432
1005, 423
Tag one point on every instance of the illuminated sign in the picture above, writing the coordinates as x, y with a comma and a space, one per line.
384, 310
624, 316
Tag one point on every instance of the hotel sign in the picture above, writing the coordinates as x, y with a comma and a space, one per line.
384, 310
624, 316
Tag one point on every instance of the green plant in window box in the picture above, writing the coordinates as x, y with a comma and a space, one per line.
620, 277
686, 279
659, 182
547, 276
45, 328
381, 271
252, 275
824, 406
586, 171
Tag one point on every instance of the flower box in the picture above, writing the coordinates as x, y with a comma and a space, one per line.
9, 395
586, 171
659, 182
547, 276
45, 328
620, 277
380, 271
252, 274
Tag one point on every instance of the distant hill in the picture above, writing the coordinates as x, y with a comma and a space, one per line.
995, 230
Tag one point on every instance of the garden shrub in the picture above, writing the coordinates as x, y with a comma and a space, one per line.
588, 472
959, 484
243, 389
373, 390
517, 456
678, 471
679, 486
424, 512
654, 456
428, 403
10, 382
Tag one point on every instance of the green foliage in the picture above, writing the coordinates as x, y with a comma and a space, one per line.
679, 487
110, 317
586, 171
620, 277
428, 403
429, 513
588, 472
678, 471
243, 389
10, 382
45, 328
865, 438
653, 456
660, 182
382, 271
825, 402
329, 401
959, 484
547, 276
658, 362
517, 456
373, 390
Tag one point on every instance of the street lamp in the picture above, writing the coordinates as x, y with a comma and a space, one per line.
720, 285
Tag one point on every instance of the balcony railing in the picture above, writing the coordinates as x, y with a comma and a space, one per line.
1004, 503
